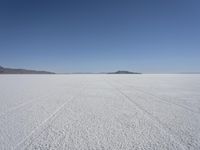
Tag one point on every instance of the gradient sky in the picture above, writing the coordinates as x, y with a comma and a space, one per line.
151, 36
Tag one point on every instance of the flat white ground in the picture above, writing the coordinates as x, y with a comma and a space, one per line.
100, 112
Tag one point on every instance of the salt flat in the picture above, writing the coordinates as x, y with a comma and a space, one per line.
100, 112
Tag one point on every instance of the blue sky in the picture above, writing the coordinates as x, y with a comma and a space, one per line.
151, 36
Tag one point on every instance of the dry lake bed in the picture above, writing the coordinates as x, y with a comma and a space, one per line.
97, 112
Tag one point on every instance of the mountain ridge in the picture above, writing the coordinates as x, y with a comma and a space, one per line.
4, 70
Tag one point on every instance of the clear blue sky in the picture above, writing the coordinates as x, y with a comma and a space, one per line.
151, 36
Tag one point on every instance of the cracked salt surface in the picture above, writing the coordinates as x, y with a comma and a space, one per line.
100, 112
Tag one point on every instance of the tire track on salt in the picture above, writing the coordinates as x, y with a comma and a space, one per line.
157, 123
42, 125
161, 99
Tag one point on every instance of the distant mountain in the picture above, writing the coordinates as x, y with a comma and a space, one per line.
21, 71
123, 72
190, 73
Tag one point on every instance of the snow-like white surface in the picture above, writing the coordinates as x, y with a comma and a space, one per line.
100, 112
